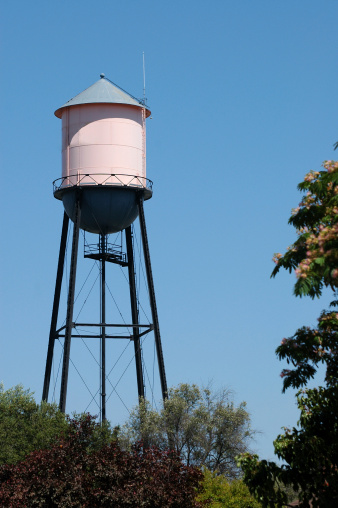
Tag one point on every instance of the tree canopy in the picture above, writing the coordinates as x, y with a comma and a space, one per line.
220, 493
314, 255
72, 473
48, 459
204, 427
310, 451
25, 425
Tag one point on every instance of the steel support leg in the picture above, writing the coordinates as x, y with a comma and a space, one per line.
56, 304
134, 313
70, 307
152, 298
103, 328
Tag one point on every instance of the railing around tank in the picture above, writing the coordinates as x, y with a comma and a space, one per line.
101, 179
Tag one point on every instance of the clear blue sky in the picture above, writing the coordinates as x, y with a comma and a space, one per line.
244, 99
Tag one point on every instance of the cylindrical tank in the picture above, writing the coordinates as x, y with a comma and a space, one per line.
103, 157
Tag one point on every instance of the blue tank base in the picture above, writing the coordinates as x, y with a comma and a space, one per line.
104, 209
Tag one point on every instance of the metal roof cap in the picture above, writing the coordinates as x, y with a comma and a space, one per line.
102, 92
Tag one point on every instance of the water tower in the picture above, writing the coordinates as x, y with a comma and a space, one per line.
102, 188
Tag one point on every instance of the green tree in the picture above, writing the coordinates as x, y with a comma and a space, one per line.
25, 425
221, 493
205, 428
314, 255
310, 451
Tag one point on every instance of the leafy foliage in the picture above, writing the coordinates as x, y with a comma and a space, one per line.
314, 255
221, 493
205, 428
70, 475
311, 450
307, 349
25, 425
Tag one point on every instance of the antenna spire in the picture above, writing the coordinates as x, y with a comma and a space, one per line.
144, 81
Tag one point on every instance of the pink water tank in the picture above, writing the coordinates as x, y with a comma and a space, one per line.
103, 157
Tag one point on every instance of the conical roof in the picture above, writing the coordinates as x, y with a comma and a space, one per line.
102, 92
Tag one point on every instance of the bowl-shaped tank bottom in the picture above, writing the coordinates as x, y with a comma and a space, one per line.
104, 210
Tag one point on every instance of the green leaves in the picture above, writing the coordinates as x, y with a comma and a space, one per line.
307, 349
314, 255
25, 425
221, 493
309, 451
205, 428
263, 480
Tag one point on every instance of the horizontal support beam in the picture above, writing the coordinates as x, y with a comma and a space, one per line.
112, 325
83, 336
99, 325
87, 336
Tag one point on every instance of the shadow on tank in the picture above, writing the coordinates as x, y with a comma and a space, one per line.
104, 210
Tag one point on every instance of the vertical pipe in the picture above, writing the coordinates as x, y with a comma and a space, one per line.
70, 306
134, 313
103, 328
56, 304
152, 297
